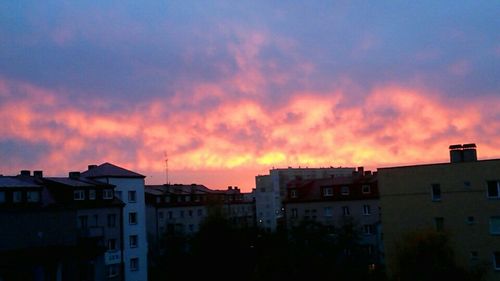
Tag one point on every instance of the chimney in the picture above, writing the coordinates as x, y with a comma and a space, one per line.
74, 175
469, 152
361, 170
38, 174
25, 173
229, 188
92, 167
456, 153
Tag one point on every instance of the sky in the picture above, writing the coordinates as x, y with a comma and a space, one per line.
230, 89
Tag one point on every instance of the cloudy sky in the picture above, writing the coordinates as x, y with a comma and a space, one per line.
230, 89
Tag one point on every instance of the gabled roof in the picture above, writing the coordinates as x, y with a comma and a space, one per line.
110, 170
17, 182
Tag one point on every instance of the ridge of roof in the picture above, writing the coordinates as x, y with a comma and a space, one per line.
109, 170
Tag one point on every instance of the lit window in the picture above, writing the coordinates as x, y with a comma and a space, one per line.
33, 196
92, 194
133, 239
107, 194
436, 192
366, 189
132, 196
328, 191
366, 210
495, 225
79, 195
134, 264
344, 190
132, 218
493, 189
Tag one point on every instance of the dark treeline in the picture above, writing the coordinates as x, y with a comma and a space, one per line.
311, 251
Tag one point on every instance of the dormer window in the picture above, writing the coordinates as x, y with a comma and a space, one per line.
107, 194
328, 191
293, 193
344, 190
79, 195
366, 189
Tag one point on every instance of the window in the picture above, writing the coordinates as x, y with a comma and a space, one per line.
79, 195
293, 193
2, 196
95, 219
328, 191
344, 190
366, 210
294, 213
17, 197
112, 270
200, 212
92, 194
474, 255
467, 184
368, 229
190, 213
33, 196
191, 228
181, 213
366, 189
118, 194
436, 192
132, 196
471, 220
495, 225
107, 194
160, 215
345, 211
111, 220
132, 218
439, 223
493, 189
111, 244
170, 214
133, 240
82, 222
328, 211
496, 260
134, 264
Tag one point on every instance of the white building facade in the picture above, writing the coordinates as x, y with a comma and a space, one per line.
129, 189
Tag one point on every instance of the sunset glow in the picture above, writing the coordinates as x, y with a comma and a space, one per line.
248, 94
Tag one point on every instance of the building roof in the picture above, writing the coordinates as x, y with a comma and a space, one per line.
17, 182
110, 170
80, 182
179, 189
439, 164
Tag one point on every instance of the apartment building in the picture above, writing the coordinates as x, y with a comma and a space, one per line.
181, 209
461, 198
337, 201
58, 228
130, 189
270, 191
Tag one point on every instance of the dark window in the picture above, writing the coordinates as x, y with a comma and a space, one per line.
496, 260
368, 229
190, 213
366, 210
200, 212
493, 187
82, 222
294, 213
132, 196
345, 211
134, 264
366, 189
132, 218
111, 244
133, 241
439, 222
436, 192
111, 220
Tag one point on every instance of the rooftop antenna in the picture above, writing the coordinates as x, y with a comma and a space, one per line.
166, 167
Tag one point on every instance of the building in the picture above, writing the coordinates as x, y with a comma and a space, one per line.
461, 198
130, 189
59, 228
270, 191
175, 209
336, 202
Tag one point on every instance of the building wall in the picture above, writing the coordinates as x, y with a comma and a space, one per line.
407, 205
125, 185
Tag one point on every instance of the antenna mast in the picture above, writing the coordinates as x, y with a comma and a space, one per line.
166, 167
